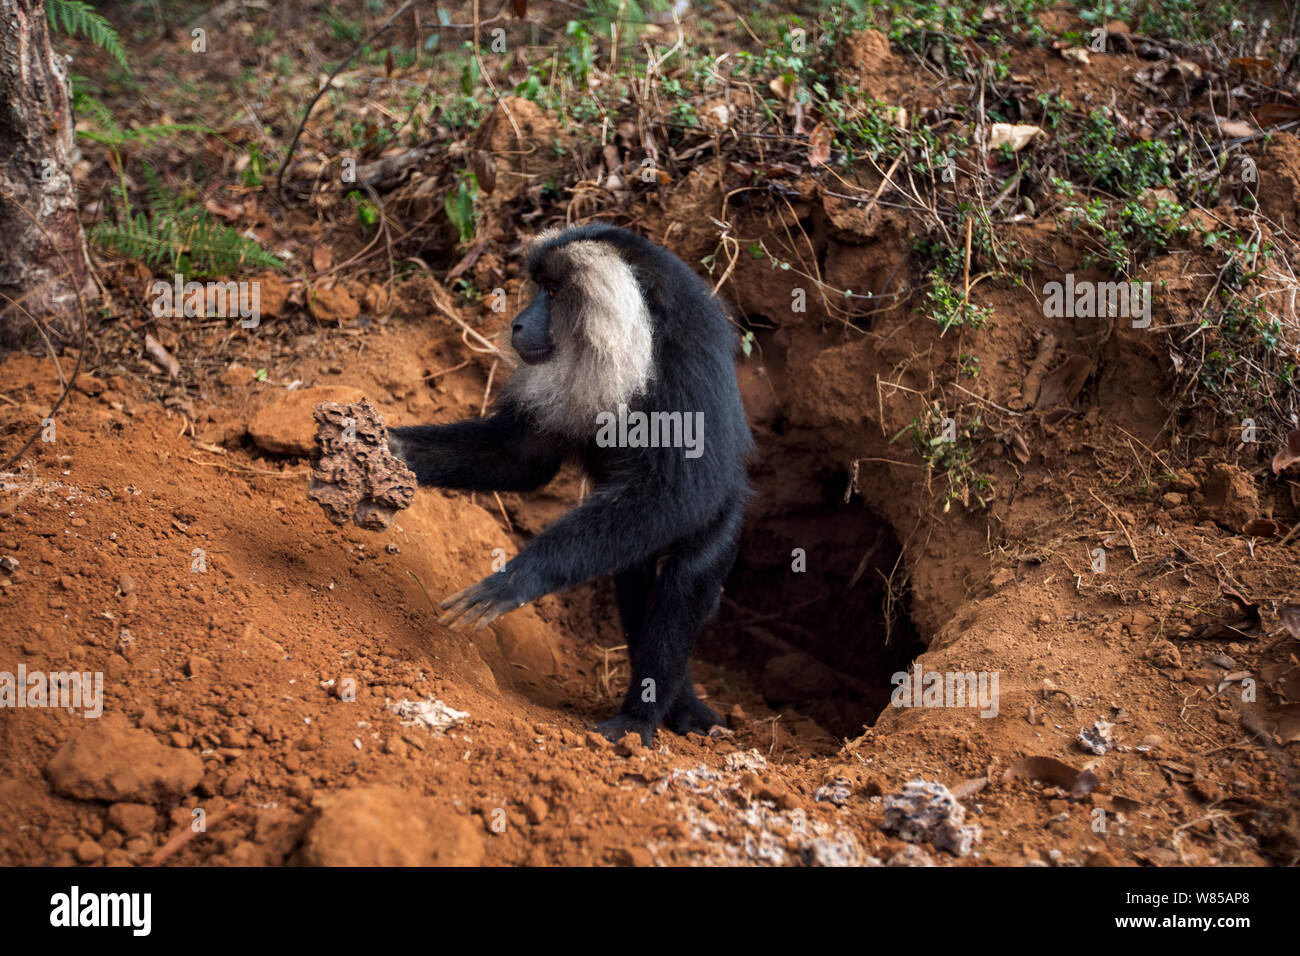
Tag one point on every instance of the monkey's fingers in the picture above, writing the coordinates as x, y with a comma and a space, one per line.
494, 611
458, 604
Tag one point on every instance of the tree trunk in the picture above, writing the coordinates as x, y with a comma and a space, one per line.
42, 248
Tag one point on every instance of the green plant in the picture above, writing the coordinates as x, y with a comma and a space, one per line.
949, 451
367, 211
1126, 169
950, 308
459, 205
73, 16
1130, 232
579, 52
179, 234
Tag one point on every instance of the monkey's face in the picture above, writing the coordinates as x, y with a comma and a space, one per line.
531, 332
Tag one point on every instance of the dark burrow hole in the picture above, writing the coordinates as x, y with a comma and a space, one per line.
827, 639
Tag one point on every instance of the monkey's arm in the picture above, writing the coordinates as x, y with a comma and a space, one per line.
612, 530
503, 452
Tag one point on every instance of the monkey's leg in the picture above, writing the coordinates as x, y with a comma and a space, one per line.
632, 595
503, 452
683, 599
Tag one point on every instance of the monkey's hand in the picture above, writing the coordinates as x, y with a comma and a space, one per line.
482, 603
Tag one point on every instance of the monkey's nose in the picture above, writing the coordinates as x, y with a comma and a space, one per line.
518, 327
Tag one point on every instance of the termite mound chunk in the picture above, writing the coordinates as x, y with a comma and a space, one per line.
354, 475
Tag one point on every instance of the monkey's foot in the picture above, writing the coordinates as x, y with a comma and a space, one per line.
620, 725
691, 716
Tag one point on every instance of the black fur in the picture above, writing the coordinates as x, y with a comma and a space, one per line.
665, 526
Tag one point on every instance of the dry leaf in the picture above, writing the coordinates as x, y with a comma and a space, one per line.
1291, 619
968, 788
1016, 135
1273, 114
1235, 128
225, 211
1290, 454
1252, 66
1063, 383
1049, 770
819, 145
484, 168
783, 86
1261, 528
161, 356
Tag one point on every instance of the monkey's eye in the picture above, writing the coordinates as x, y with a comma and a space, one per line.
550, 290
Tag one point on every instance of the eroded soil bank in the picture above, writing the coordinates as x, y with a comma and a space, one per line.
1116, 558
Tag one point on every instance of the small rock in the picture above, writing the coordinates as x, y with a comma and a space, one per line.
536, 810
1098, 739
927, 812
837, 792
911, 856
116, 763
386, 826
88, 851
636, 856
132, 819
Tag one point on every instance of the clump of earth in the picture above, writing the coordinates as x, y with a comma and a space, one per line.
354, 476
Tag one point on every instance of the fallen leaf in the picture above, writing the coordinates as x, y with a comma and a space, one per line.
1063, 383
968, 788
1016, 135
1261, 528
1274, 114
819, 145
1049, 770
1290, 452
1252, 66
484, 168
1234, 128
1291, 619
1287, 723
225, 211
1076, 54
161, 355
783, 86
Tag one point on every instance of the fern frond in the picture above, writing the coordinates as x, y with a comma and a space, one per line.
73, 16
189, 241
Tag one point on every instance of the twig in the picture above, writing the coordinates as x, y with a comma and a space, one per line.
186, 835
1132, 548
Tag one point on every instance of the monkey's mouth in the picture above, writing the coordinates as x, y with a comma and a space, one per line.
534, 356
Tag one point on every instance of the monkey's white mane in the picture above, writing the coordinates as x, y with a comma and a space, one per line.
604, 344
